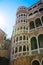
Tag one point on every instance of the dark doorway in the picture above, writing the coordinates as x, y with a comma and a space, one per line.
4, 61
35, 62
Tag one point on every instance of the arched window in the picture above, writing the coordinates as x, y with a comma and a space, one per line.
41, 10
36, 12
38, 22
23, 37
27, 37
42, 18
20, 37
20, 48
24, 28
33, 43
27, 48
40, 40
4, 61
30, 14
35, 62
16, 39
16, 50
24, 48
21, 28
31, 25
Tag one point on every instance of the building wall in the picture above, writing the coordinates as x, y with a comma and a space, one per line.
28, 27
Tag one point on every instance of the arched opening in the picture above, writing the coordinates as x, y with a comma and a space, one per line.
16, 39
40, 40
16, 50
31, 25
27, 37
21, 28
20, 48
42, 19
24, 48
41, 10
24, 37
35, 62
20, 37
38, 22
33, 43
4, 61
36, 12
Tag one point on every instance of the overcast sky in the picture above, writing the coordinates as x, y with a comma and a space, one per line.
8, 9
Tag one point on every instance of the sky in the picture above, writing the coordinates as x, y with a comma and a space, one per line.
8, 9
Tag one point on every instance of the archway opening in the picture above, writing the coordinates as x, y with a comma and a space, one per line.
35, 62
33, 43
31, 25
38, 22
40, 40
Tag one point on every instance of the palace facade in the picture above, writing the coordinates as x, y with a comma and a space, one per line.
27, 36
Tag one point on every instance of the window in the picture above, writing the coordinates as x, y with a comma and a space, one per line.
40, 40
20, 48
16, 39
34, 6
33, 43
21, 14
38, 22
23, 37
18, 29
21, 20
21, 28
16, 50
24, 28
30, 14
31, 25
39, 4
41, 10
35, 12
24, 20
24, 48
27, 37
24, 14
20, 37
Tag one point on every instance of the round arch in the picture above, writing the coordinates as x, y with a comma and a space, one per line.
38, 22
35, 62
24, 48
31, 25
4, 61
20, 48
33, 41
40, 40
